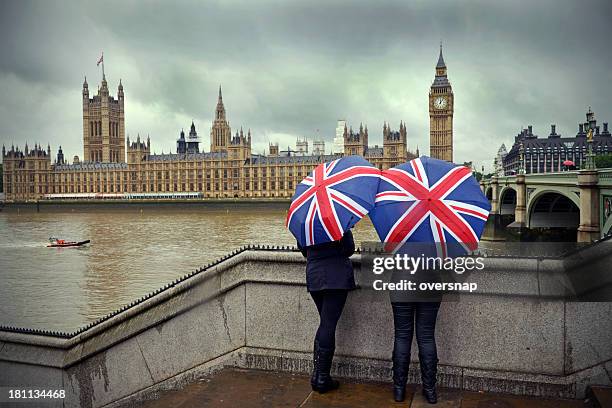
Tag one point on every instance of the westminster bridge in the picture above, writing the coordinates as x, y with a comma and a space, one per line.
580, 200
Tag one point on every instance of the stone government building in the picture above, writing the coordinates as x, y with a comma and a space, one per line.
228, 170
546, 155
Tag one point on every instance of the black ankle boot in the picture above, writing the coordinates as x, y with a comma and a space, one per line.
323, 381
429, 368
315, 363
401, 363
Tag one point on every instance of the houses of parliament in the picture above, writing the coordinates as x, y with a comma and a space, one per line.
113, 166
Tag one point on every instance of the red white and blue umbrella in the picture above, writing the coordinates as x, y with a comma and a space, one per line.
332, 199
430, 200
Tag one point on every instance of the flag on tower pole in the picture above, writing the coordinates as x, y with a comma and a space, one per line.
101, 61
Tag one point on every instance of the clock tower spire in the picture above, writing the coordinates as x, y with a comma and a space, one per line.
441, 108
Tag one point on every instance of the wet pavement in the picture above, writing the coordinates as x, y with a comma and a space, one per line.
254, 389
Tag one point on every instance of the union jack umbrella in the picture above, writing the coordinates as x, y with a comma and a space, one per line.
332, 199
430, 200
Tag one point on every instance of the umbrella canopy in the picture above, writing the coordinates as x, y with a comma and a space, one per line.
568, 163
430, 200
332, 199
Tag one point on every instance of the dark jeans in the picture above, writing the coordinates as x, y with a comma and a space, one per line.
422, 315
330, 303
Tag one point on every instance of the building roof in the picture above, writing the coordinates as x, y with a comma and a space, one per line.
312, 159
187, 156
535, 144
91, 166
375, 151
440, 63
440, 82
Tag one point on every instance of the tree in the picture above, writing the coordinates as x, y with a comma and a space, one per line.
603, 161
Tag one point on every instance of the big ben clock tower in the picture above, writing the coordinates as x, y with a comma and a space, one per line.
441, 114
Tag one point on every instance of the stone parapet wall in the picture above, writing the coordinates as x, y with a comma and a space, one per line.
252, 310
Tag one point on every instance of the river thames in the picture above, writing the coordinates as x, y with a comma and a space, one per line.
133, 251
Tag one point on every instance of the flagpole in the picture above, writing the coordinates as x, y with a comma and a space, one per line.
103, 76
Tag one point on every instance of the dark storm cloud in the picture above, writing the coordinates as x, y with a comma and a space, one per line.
289, 68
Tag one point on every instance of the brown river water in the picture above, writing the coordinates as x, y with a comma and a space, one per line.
134, 250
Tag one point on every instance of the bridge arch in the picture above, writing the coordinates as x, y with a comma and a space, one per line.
553, 209
507, 201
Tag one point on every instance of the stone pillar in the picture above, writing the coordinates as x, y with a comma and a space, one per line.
520, 216
589, 229
494, 195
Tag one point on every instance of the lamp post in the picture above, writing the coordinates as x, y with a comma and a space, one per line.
521, 169
590, 161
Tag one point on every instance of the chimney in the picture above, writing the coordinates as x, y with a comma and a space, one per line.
580, 128
530, 131
597, 130
605, 129
553, 129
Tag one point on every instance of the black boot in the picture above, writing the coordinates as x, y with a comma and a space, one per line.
429, 368
401, 363
315, 363
322, 379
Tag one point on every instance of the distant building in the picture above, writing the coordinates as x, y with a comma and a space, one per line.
229, 169
318, 147
189, 144
546, 155
339, 138
498, 162
301, 146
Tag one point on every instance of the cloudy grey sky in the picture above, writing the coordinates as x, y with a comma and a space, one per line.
289, 68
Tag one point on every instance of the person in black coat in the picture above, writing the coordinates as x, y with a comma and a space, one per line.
329, 277
416, 311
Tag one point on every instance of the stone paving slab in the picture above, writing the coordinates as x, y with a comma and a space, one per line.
254, 389
484, 400
352, 395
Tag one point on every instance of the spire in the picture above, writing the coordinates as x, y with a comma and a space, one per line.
220, 111
85, 85
440, 63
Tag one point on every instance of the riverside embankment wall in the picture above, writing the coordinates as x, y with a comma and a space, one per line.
520, 333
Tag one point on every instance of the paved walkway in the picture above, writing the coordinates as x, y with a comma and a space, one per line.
255, 389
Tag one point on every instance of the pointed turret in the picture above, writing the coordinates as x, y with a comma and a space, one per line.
60, 156
85, 88
220, 111
440, 63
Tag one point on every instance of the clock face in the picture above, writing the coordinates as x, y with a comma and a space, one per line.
440, 102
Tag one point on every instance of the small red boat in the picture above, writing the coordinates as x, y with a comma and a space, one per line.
59, 243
